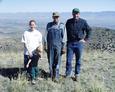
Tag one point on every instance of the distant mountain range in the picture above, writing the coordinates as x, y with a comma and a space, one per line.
96, 19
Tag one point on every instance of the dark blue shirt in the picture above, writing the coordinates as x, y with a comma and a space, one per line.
77, 30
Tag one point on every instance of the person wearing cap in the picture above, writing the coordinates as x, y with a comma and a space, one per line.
78, 33
55, 44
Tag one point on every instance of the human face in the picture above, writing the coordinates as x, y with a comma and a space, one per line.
76, 15
56, 19
32, 25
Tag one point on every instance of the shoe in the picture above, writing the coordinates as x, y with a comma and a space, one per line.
68, 76
76, 78
33, 82
39, 78
56, 80
53, 78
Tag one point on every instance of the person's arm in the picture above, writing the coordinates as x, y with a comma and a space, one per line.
40, 43
39, 49
41, 46
45, 38
88, 31
64, 39
28, 63
27, 47
24, 40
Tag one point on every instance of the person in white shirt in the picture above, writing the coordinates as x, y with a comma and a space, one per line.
32, 40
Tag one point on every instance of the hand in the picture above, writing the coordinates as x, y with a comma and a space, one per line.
63, 51
30, 54
39, 49
45, 48
27, 65
83, 41
40, 55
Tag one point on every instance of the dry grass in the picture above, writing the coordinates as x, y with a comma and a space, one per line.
97, 71
97, 75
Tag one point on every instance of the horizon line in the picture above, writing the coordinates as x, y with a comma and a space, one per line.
59, 12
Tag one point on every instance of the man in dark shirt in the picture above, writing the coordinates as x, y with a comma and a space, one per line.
78, 32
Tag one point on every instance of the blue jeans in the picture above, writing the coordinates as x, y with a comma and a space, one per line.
73, 47
34, 72
54, 58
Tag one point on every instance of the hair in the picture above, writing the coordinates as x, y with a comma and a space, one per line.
32, 21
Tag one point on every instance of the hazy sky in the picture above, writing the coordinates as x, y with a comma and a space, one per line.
56, 5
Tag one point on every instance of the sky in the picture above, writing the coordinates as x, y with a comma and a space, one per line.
56, 5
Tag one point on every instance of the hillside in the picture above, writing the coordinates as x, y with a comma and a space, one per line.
98, 66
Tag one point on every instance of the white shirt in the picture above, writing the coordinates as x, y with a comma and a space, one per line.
32, 40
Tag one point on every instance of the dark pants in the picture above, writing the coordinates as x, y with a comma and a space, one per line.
32, 70
54, 59
26, 59
73, 47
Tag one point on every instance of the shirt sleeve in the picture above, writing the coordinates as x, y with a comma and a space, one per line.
87, 30
45, 37
41, 40
25, 41
64, 36
23, 38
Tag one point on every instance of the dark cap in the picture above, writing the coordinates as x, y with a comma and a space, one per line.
55, 14
75, 11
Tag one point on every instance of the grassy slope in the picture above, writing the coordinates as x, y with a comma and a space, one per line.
97, 74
